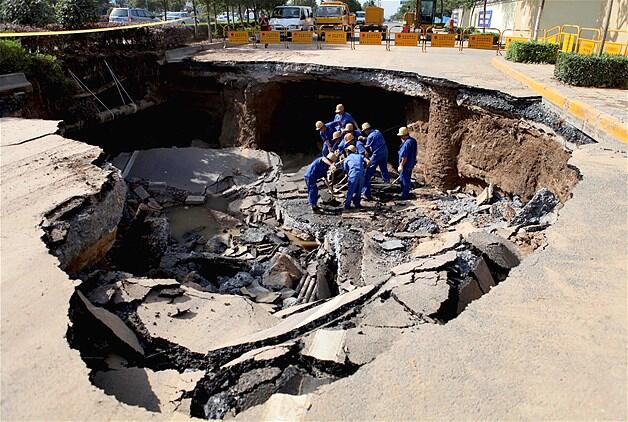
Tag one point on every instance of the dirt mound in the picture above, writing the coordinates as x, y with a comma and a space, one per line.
514, 156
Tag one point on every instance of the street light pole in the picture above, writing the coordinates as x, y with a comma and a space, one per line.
607, 21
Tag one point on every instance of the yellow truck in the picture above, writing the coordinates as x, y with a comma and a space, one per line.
374, 20
334, 15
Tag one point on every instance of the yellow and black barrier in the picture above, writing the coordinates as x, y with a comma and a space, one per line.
518, 35
617, 48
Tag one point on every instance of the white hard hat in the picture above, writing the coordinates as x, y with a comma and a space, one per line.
366, 125
319, 125
349, 137
348, 127
351, 148
332, 157
403, 131
340, 108
336, 135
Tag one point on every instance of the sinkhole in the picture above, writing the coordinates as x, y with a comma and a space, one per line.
203, 267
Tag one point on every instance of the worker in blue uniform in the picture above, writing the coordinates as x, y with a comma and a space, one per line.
407, 161
342, 118
378, 155
349, 128
349, 140
326, 131
332, 146
354, 166
317, 170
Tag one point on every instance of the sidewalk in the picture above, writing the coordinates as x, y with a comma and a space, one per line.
599, 112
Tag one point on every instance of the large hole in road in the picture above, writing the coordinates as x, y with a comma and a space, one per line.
209, 286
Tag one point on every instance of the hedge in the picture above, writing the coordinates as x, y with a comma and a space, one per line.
532, 52
44, 71
603, 71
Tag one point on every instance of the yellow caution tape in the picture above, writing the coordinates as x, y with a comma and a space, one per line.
84, 31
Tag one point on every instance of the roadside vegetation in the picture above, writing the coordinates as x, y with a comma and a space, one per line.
532, 52
603, 71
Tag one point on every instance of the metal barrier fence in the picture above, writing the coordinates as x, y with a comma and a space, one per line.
586, 41
571, 38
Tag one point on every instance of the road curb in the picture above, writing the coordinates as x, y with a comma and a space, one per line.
591, 119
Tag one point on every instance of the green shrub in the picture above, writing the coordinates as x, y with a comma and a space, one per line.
13, 57
42, 70
75, 13
26, 12
603, 71
532, 52
494, 34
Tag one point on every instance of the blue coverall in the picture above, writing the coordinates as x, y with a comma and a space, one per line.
407, 150
316, 170
326, 137
354, 167
341, 120
359, 146
379, 158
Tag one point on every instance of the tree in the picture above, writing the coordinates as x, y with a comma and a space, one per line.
308, 3
75, 13
26, 12
354, 5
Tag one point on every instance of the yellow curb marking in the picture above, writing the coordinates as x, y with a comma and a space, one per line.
588, 114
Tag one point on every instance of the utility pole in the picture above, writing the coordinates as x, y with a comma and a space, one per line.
484, 18
607, 21
538, 20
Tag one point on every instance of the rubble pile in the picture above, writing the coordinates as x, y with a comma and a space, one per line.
246, 293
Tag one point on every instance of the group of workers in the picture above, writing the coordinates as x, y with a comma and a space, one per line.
359, 153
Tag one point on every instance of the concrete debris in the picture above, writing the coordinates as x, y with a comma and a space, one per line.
497, 249
442, 243
431, 263
195, 200
113, 324
209, 314
486, 195
327, 345
141, 193
424, 296
302, 319
262, 354
422, 224
392, 245
159, 391
283, 271
542, 203
385, 314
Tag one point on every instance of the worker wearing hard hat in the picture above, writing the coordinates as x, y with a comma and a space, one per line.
317, 170
354, 165
349, 140
332, 146
407, 161
342, 118
378, 154
326, 131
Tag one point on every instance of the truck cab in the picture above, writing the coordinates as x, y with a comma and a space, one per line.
292, 18
334, 15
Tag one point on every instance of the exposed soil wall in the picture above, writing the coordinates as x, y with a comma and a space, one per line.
441, 148
512, 155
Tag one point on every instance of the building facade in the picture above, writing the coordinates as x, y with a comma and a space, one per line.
522, 14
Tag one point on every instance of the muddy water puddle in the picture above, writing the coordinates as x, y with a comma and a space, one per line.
205, 220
